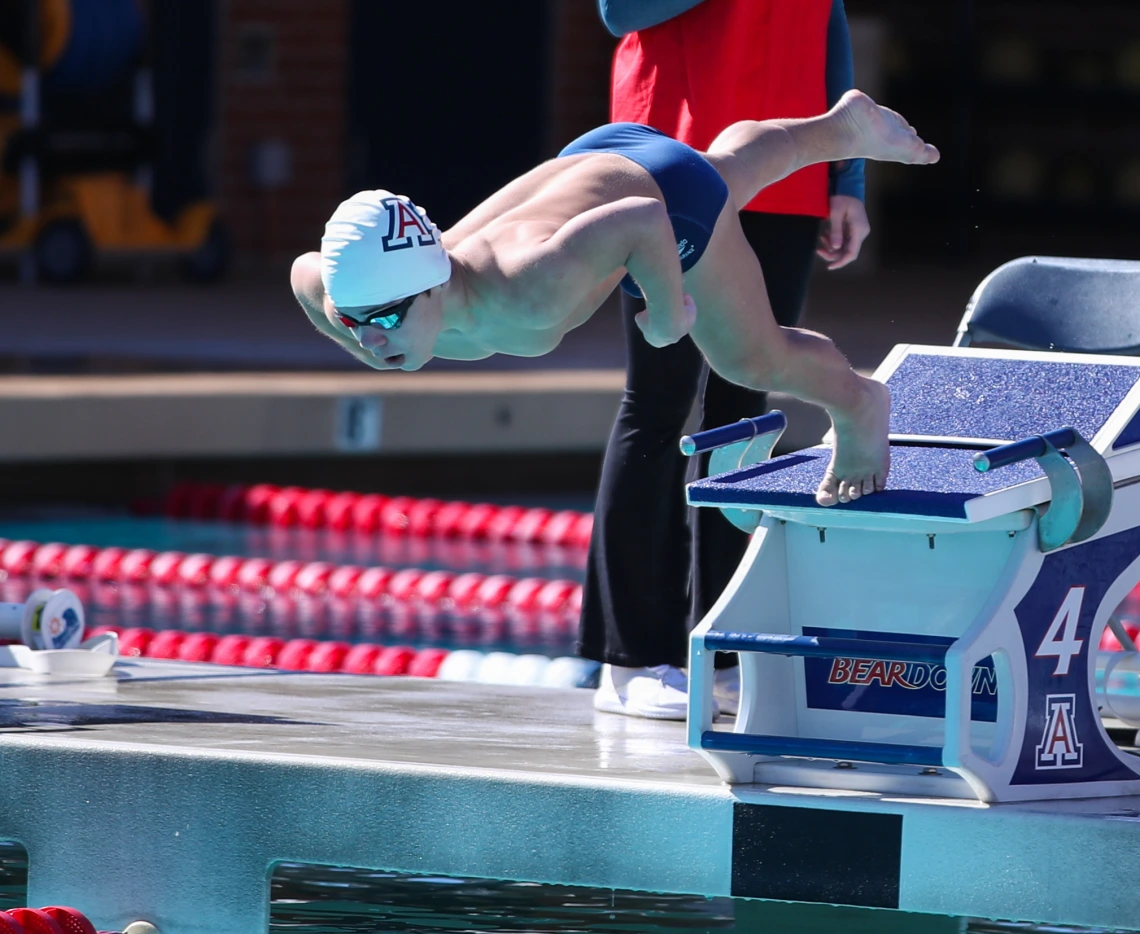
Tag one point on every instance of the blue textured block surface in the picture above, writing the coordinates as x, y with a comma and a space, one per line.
924, 481
1006, 399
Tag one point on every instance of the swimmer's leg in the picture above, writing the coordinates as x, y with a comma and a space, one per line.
752, 154
740, 339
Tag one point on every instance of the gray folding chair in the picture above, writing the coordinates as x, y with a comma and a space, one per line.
1057, 303
1063, 304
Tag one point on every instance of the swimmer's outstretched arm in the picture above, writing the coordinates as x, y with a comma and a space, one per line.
309, 291
633, 233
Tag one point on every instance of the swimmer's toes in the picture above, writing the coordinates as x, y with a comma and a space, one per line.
828, 492
924, 153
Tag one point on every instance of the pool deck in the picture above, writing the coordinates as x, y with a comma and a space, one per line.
168, 790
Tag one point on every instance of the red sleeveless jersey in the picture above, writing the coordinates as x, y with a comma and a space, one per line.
729, 60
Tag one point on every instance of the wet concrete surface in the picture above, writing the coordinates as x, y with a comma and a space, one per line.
369, 719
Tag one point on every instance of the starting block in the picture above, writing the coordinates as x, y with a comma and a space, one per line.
939, 638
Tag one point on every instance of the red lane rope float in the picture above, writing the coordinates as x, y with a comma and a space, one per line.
54, 919
426, 663
71, 920
360, 659
199, 647
35, 921
328, 656
394, 660
262, 652
298, 507
230, 649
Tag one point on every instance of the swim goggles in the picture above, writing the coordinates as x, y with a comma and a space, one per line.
387, 319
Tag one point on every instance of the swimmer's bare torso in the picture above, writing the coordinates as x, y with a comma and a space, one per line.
530, 263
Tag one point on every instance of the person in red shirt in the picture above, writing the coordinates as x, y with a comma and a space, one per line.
690, 68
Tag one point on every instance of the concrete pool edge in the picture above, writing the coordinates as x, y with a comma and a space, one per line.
292, 414
254, 414
126, 829
204, 824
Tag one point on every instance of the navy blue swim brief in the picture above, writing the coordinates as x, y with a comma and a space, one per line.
694, 191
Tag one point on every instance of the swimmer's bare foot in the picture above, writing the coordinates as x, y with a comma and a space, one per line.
881, 134
861, 456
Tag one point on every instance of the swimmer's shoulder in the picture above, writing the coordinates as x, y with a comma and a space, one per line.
309, 290
305, 278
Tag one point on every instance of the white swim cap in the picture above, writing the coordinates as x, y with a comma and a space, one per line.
378, 248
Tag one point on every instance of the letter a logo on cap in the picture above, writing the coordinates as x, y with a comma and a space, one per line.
404, 224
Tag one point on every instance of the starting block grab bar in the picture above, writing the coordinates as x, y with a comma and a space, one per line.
825, 647
1080, 483
1023, 450
744, 430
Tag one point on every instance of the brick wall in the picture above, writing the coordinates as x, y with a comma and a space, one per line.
580, 53
283, 102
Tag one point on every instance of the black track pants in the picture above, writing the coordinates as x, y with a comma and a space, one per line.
653, 570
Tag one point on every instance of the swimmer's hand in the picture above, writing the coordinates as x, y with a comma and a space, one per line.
661, 333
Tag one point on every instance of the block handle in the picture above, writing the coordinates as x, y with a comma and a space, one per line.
1025, 449
825, 647
744, 430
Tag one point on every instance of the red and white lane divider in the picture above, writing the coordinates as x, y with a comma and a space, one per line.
297, 507
555, 602
481, 600
336, 657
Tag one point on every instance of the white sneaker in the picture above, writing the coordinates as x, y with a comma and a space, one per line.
726, 689
657, 693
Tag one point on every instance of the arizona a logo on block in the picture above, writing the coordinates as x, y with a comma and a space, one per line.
404, 224
1059, 748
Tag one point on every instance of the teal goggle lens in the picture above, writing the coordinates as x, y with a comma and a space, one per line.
387, 319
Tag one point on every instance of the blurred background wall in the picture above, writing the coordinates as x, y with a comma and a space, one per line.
1033, 103
443, 102
283, 87
275, 109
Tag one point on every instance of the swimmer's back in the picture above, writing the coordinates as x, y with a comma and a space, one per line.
557, 190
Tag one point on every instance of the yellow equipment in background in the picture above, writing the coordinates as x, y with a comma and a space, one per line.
64, 218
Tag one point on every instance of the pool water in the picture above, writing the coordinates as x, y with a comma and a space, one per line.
330, 900
307, 899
